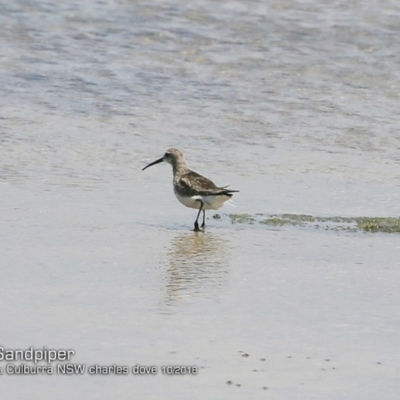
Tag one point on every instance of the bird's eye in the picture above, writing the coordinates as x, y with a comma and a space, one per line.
167, 154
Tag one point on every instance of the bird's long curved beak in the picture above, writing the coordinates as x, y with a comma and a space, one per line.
154, 163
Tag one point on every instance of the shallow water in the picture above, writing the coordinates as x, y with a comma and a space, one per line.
291, 294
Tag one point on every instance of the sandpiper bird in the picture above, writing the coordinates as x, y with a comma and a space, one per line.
192, 189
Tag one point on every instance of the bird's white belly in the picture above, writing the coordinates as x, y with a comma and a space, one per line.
211, 202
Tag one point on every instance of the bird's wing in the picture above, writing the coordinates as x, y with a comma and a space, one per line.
195, 184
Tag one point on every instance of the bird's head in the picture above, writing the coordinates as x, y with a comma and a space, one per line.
171, 156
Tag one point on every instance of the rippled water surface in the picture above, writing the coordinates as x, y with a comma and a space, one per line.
293, 293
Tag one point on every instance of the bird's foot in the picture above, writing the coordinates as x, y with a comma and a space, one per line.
203, 225
196, 227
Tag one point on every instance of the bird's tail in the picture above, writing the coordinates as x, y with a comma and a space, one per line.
226, 192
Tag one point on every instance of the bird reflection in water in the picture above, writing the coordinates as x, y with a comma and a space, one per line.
198, 265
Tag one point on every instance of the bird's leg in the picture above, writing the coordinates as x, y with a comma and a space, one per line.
196, 224
203, 225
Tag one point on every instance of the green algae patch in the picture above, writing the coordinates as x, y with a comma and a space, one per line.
275, 221
387, 225
280, 221
334, 223
299, 217
290, 219
242, 219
